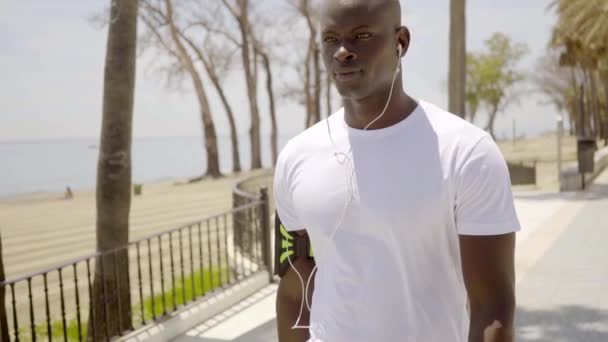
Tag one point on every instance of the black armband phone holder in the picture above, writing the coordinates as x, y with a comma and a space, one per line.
288, 245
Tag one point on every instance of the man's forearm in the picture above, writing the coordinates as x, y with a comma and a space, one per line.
289, 302
492, 325
287, 315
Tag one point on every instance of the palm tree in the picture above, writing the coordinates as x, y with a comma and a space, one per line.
114, 175
458, 58
582, 35
583, 20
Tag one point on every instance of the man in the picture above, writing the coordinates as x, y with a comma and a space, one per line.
408, 208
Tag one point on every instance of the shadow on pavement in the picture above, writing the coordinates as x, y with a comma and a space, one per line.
266, 332
567, 323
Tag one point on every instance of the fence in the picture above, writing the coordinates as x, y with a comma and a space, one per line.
245, 191
91, 298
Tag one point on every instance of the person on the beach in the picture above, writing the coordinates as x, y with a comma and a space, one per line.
68, 193
408, 208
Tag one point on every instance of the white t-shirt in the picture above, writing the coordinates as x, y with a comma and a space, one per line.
392, 271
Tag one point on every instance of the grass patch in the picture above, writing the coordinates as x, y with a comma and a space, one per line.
204, 282
209, 281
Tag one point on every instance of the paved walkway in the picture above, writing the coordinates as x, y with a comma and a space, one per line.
563, 297
561, 263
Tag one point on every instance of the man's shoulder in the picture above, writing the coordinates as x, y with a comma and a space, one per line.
452, 129
449, 123
311, 139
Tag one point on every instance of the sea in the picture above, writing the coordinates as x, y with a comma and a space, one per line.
49, 166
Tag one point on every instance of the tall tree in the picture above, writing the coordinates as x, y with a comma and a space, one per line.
114, 175
261, 51
211, 61
313, 73
495, 75
239, 9
159, 14
473, 87
458, 57
261, 54
3, 318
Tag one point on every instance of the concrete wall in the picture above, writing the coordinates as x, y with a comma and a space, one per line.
572, 179
522, 174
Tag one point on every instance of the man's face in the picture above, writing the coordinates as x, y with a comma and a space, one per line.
359, 45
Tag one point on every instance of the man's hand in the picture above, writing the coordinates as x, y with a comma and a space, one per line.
492, 333
489, 275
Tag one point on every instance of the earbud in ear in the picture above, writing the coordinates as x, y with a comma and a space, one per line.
399, 52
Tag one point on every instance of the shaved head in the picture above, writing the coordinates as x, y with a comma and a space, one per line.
390, 10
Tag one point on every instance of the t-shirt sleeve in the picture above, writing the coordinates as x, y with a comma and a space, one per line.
283, 195
484, 200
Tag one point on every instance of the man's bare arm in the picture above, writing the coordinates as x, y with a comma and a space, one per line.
489, 275
289, 301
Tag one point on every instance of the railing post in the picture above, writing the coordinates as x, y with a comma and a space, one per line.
266, 233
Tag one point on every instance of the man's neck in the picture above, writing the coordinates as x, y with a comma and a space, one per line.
359, 113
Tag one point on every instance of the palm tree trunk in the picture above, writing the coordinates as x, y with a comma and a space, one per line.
114, 176
589, 104
573, 105
582, 126
595, 102
572, 115
4, 336
457, 73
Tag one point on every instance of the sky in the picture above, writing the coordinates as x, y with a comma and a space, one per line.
52, 59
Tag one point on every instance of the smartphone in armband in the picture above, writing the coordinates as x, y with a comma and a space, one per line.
288, 245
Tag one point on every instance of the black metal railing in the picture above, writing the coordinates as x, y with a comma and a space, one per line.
245, 191
108, 294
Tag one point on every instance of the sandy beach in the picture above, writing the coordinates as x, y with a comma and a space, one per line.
43, 230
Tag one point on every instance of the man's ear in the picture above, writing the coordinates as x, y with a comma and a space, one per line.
403, 37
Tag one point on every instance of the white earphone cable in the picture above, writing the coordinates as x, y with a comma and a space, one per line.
347, 158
